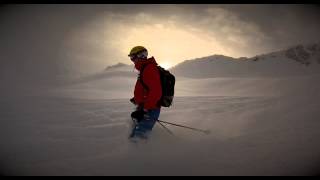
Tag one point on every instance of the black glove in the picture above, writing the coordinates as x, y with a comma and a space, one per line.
138, 115
132, 101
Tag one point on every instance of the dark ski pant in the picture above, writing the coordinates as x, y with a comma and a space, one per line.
142, 128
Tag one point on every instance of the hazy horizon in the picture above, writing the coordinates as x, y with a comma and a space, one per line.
49, 43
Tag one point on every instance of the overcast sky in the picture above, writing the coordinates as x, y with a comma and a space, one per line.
48, 42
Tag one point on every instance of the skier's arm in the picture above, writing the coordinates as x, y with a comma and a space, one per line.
151, 78
138, 94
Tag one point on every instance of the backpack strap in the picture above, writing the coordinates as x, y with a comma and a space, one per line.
140, 77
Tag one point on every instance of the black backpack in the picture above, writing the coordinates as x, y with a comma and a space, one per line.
167, 84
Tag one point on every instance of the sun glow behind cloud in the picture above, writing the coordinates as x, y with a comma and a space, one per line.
170, 39
170, 44
171, 34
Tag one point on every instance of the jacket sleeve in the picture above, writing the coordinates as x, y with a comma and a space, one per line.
138, 93
151, 78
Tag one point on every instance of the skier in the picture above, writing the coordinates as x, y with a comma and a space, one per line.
147, 93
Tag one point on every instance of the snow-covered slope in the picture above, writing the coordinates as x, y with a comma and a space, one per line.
298, 60
249, 136
260, 124
114, 82
270, 74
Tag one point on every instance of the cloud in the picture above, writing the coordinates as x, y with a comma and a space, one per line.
231, 31
48, 43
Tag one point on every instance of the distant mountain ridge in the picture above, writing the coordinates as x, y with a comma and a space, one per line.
296, 60
119, 66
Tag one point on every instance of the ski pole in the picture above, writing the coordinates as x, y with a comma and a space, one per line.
195, 129
168, 130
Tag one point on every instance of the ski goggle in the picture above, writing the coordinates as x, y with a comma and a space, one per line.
142, 54
133, 57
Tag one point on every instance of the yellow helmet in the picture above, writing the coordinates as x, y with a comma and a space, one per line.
136, 50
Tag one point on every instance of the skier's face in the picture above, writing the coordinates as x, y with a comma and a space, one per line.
133, 58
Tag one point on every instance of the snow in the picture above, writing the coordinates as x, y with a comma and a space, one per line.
296, 61
260, 125
250, 136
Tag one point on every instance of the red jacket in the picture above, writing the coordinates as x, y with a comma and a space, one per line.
151, 78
